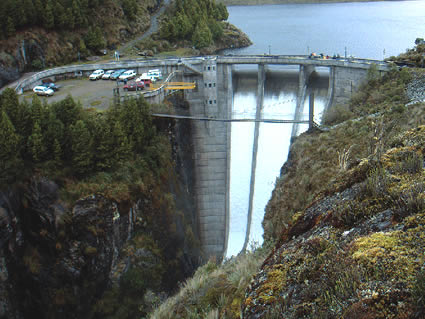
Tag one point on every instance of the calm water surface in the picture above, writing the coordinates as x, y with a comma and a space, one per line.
368, 30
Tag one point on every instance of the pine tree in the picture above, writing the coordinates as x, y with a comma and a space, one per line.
215, 28
202, 36
81, 145
37, 111
53, 133
57, 152
10, 161
39, 12
76, 12
35, 144
70, 19
10, 104
121, 143
48, 17
10, 27
30, 13
67, 111
60, 15
105, 148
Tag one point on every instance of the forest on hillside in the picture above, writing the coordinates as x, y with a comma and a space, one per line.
51, 14
196, 21
62, 136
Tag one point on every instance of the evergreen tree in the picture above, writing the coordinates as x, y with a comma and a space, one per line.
67, 111
76, 12
81, 145
30, 13
10, 27
215, 28
35, 144
37, 110
60, 15
57, 152
121, 143
48, 18
94, 39
39, 12
223, 14
105, 148
52, 134
10, 162
202, 36
10, 104
70, 19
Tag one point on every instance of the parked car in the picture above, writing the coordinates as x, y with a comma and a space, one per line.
134, 86
42, 90
52, 86
116, 74
128, 75
107, 74
150, 77
145, 79
155, 74
96, 75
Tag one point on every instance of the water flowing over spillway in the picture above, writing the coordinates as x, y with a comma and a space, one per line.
280, 96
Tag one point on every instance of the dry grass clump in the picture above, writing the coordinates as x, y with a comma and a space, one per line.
215, 291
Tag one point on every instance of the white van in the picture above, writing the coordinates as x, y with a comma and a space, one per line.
155, 74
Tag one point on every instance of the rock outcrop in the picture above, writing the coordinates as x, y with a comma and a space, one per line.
357, 250
57, 259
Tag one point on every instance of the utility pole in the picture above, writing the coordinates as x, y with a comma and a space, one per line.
270, 49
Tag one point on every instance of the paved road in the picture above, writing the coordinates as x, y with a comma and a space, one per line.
153, 28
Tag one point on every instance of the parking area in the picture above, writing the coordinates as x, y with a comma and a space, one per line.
98, 94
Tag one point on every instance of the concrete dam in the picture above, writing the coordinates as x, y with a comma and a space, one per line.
211, 105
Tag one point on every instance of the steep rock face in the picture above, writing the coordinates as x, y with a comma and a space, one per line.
357, 251
56, 259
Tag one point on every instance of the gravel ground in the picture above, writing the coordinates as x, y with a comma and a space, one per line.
416, 88
98, 94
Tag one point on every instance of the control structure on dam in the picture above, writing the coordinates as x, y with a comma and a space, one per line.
211, 108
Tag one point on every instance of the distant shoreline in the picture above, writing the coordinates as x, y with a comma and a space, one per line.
260, 2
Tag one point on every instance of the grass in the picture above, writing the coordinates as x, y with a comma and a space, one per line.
95, 103
215, 291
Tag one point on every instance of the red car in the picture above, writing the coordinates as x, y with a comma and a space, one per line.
134, 86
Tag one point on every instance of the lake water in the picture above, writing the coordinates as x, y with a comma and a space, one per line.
368, 30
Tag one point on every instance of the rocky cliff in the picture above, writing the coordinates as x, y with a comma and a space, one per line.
96, 257
357, 250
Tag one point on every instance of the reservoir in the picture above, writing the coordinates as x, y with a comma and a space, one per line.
374, 30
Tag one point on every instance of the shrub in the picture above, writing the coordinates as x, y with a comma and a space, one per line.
377, 182
337, 114
418, 294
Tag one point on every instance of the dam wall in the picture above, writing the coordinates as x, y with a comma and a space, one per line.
211, 141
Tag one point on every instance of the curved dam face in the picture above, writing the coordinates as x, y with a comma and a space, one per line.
214, 101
